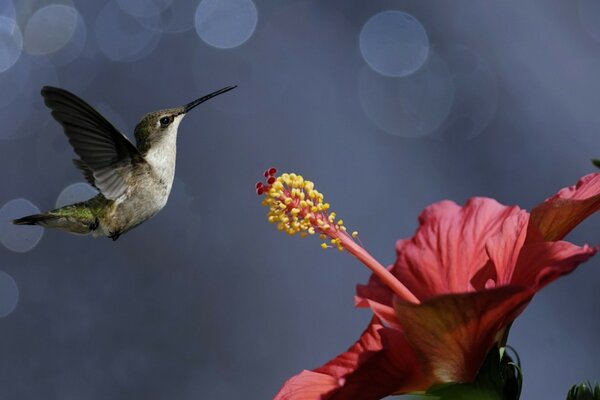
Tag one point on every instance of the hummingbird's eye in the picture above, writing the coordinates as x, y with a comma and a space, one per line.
164, 121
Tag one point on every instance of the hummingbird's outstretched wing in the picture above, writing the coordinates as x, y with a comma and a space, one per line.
107, 156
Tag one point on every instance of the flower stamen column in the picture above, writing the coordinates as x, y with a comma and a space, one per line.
298, 208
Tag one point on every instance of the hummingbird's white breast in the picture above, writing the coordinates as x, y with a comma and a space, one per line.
162, 158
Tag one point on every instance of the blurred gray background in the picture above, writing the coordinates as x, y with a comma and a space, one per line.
387, 105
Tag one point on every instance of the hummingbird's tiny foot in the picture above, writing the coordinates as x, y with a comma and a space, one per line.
114, 236
94, 225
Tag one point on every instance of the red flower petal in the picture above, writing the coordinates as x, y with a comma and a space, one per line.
542, 262
394, 369
369, 341
453, 333
379, 298
307, 385
559, 214
503, 250
449, 246
378, 364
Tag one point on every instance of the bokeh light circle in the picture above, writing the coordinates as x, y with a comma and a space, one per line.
75, 193
20, 239
225, 23
50, 29
394, 43
11, 43
9, 294
412, 106
121, 37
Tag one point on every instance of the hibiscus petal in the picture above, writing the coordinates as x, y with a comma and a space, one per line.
517, 260
559, 214
384, 312
542, 262
378, 364
448, 249
394, 369
374, 290
504, 248
453, 333
378, 298
369, 341
310, 385
307, 385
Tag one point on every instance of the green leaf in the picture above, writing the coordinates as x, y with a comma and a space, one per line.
584, 391
596, 162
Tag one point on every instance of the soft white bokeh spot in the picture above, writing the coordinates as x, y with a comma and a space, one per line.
20, 239
50, 29
394, 43
11, 43
9, 294
75, 193
121, 37
412, 106
225, 23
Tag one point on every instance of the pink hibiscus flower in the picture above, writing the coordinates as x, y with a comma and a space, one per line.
452, 293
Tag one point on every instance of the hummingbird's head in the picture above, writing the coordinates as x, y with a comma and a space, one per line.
158, 125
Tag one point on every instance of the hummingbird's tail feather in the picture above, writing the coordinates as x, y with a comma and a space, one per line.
36, 219
79, 218
69, 223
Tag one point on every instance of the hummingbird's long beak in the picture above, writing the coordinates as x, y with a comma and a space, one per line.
194, 103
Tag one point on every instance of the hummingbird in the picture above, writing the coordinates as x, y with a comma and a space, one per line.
133, 181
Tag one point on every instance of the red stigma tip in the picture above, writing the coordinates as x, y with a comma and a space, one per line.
266, 173
271, 180
272, 171
260, 191
259, 185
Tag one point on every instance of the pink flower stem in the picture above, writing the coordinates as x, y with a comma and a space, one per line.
379, 270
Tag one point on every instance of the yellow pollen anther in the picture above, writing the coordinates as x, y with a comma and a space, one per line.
297, 207
354, 234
